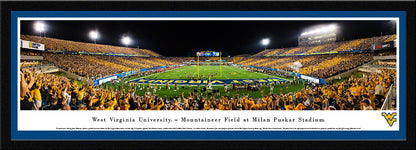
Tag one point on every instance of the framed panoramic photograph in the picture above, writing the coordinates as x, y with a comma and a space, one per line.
208, 75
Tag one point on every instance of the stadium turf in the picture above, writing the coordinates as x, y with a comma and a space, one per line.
228, 72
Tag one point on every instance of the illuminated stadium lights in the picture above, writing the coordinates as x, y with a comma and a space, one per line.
126, 40
94, 35
265, 42
321, 30
39, 27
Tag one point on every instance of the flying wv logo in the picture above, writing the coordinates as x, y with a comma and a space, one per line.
389, 117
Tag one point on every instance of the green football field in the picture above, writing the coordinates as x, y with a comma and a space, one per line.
227, 72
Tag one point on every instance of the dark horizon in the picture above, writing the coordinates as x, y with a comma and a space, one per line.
184, 38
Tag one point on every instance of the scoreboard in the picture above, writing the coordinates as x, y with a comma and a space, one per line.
208, 54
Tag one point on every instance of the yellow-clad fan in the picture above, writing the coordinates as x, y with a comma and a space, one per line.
37, 95
291, 106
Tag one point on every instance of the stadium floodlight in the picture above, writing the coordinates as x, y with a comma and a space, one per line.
332, 27
321, 30
94, 35
39, 27
126, 40
265, 42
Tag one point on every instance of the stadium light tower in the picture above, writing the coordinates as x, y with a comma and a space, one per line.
40, 27
265, 42
94, 35
126, 40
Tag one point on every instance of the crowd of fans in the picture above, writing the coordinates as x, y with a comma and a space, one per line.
264, 53
349, 45
391, 38
295, 50
49, 92
95, 66
367, 43
66, 45
358, 44
384, 63
211, 59
388, 53
98, 66
179, 60
331, 67
238, 59
147, 52
30, 53
321, 66
30, 63
40, 91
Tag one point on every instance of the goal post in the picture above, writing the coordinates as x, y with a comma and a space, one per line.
220, 66
209, 54
198, 64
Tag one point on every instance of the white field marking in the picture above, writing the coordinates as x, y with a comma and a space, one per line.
229, 72
224, 74
153, 74
265, 74
232, 68
235, 69
182, 69
238, 69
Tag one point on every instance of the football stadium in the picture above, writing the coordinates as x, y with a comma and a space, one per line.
321, 71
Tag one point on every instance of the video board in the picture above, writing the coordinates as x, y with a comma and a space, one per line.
208, 54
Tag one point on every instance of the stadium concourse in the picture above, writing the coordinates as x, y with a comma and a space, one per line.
41, 90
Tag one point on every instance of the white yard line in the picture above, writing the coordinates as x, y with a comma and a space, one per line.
154, 74
264, 74
226, 75
232, 68
236, 69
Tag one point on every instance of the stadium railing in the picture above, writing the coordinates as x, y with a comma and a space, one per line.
390, 98
26, 57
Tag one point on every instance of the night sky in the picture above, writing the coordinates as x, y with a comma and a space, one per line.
183, 38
